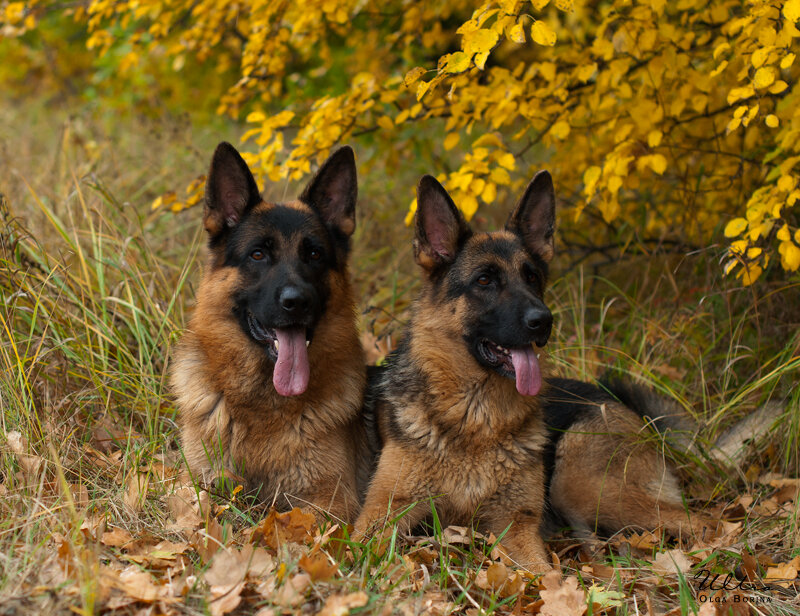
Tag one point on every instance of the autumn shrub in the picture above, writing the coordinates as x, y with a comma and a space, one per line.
664, 123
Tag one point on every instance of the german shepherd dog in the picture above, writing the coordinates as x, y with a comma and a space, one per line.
467, 416
460, 415
270, 375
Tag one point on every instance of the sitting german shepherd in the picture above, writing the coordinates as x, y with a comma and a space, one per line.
270, 375
466, 415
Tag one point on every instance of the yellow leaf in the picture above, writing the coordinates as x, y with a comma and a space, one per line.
413, 76
722, 66
614, 184
764, 77
560, 130
451, 141
790, 256
759, 56
750, 273
507, 160
480, 59
540, 4
658, 163
256, 117
457, 62
468, 205
590, 177
489, 193
654, 138
479, 41
772, 121
721, 48
500, 176
586, 71
791, 10
542, 33
564, 5
517, 33
788, 60
735, 227
784, 235
385, 122
488, 139
422, 88
786, 183
778, 87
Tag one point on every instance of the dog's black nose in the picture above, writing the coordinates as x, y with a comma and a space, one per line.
294, 301
539, 322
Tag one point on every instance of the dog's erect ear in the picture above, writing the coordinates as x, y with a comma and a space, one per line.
230, 190
333, 191
439, 226
534, 218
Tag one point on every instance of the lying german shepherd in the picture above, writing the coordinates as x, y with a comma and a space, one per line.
270, 375
466, 415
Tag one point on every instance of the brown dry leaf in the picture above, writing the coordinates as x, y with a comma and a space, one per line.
278, 528
163, 554
187, 507
292, 593
226, 579
207, 541
671, 562
318, 566
136, 487
117, 538
783, 574
340, 605
644, 541
140, 586
457, 535
561, 599
749, 567
30, 464
225, 599
496, 575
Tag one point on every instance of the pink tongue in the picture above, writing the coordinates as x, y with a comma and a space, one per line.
290, 376
526, 369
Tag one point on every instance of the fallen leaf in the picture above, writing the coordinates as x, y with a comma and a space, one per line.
30, 464
136, 487
318, 566
561, 599
340, 605
185, 505
671, 562
292, 593
782, 575
117, 538
278, 528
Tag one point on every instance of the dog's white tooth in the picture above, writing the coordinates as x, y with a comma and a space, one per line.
538, 355
277, 345
307, 343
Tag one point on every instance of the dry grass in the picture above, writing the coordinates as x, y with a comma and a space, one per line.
97, 513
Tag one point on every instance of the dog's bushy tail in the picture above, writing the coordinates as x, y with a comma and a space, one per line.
680, 430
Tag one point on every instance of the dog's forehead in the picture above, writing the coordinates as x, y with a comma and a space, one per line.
501, 248
289, 221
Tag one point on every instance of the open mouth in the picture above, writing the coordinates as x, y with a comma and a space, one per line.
519, 363
288, 348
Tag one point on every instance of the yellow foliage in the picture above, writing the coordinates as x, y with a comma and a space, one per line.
667, 116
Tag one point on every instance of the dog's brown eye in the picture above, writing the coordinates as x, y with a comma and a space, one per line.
257, 255
484, 280
314, 255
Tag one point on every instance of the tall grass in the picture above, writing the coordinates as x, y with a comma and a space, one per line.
95, 290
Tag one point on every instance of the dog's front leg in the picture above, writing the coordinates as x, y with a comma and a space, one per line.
396, 489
